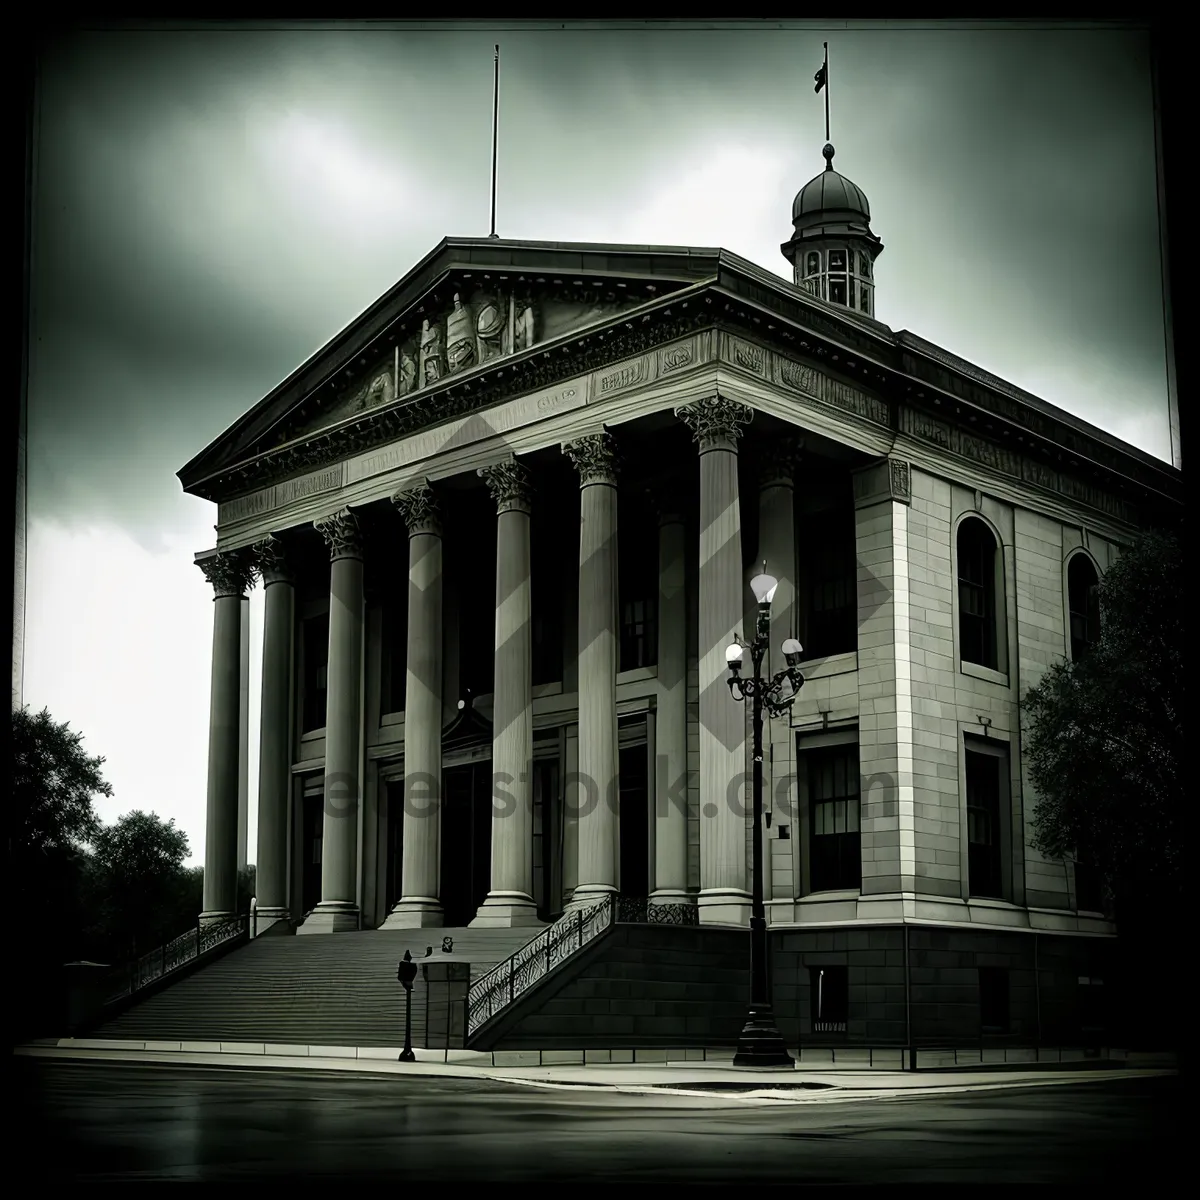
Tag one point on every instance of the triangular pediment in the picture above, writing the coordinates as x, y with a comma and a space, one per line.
463, 309
467, 731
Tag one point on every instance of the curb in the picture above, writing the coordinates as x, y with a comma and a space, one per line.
383, 1061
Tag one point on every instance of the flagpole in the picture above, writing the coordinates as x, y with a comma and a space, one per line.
495, 134
827, 91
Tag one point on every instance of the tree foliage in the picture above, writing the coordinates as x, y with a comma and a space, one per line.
1105, 735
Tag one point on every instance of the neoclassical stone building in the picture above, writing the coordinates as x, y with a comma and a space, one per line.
505, 522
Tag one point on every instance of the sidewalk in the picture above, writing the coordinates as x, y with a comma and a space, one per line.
715, 1080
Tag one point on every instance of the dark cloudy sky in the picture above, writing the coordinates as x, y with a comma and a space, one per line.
212, 206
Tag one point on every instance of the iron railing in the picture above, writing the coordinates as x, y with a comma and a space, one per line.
148, 968
507, 981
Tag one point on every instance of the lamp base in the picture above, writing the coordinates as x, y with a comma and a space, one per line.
406, 1055
761, 1045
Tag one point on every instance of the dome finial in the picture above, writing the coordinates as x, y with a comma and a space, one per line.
828, 152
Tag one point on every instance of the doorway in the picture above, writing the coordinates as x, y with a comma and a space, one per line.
466, 837
547, 839
395, 843
313, 818
634, 817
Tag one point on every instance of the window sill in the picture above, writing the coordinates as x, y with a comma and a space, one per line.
991, 902
313, 735
393, 718
975, 671
835, 664
637, 674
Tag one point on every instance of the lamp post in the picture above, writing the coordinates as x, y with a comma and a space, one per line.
406, 972
761, 1044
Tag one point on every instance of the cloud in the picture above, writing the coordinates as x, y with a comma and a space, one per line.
118, 644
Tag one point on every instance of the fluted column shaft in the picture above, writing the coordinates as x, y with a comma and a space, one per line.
338, 909
419, 905
597, 827
275, 728
724, 898
669, 885
777, 545
230, 576
510, 899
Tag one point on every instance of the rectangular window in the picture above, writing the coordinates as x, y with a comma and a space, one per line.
993, 1000
835, 861
316, 671
637, 581
829, 552
837, 289
984, 843
395, 619
830, 998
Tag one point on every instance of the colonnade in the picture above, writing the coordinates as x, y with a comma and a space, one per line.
716, 424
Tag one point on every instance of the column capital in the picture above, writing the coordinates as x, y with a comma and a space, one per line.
420, 509
231, 572
342, 534
510, 485
716, 421
778, 462
666, 504
273, 561
595, 457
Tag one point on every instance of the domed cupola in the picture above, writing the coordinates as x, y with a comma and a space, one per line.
833, 250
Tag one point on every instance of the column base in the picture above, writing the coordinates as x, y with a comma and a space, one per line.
215, 917
761, 1045
415, 912
264, 918
587, 894
334, 916
724, 906
506, 910
672, 896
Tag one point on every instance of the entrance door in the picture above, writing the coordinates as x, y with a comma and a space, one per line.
314, 832
466, 850
395, 843
547, 849
634, 821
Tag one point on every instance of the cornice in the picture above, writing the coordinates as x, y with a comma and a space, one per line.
894, 376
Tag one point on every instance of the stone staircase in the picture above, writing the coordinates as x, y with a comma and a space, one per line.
336, 990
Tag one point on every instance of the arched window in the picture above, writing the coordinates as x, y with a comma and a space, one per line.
1083, 604
977, 594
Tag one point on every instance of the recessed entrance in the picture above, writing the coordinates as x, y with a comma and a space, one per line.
466, 839
634, 875
313, 818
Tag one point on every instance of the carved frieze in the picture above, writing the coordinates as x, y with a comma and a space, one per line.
746, 355
898, 478
675, 359
626, 376
595, 457
420, 509
342, 534
231, 573
716, 422
271, 558
510, 485
801, 377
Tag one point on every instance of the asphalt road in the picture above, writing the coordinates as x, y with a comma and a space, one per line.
111, 1122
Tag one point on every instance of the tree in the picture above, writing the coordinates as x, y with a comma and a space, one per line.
139, 864
52, 817
1106, 737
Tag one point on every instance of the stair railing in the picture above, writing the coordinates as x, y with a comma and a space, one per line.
146, 969
554, 945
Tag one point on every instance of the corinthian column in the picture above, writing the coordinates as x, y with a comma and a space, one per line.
510, 900
595, 458
338, 909
669, 885
230, 575
275, 729
716, 425
419, 905
777, 546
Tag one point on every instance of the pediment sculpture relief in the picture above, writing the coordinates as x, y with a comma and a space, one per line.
479, 326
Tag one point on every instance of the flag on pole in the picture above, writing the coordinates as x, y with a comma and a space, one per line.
821, 77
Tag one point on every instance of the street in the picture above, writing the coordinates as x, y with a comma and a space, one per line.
111, 1122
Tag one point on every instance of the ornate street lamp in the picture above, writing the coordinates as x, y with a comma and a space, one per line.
761, 1044
406, 972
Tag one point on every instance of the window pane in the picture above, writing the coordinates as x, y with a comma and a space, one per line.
864, 269
814, 263
852, 816
837, 291
837, 260
864, 300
